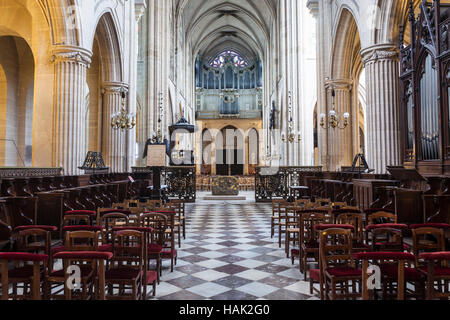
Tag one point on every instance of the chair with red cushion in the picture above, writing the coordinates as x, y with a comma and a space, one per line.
159, 224
356, 219
126, 270
338, 271
169, 251
427, 239
388, 239
175, 207
309, 241
75, 241
394, 261
437, 273
86, 260
30, 269
109, 221
150, 275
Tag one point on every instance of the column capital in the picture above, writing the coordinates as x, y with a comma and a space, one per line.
139, 9
313, 6
71, 54
379, 52
114, 87
339, 84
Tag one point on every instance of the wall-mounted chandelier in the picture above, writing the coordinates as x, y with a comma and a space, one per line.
123, 120
334, 120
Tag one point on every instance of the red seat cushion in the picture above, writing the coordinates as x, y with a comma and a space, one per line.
345, 272
391, 271
154, 248
152, 276
122, 274
435, 256
314, 274
86, 271
167, 253
105, 248
438, 271
295, 252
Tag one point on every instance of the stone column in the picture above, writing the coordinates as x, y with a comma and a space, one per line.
69, 146
114, 145
340, 138
383, 132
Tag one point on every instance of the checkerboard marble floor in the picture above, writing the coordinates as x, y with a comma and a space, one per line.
229, 255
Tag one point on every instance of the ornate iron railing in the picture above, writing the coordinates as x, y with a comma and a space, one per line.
271, 184
181, 181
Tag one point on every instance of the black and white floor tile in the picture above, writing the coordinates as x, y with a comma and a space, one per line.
229, 255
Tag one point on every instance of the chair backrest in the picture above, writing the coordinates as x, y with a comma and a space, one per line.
128, 248
387, 239
428, 240
336, 248
301, 202
276, 206
356, 220
34, 241
323, 202
82, 240
111, 220
381, 217
76, 220
159, 223
307, 221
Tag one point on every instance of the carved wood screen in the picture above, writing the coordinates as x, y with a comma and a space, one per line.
425, 88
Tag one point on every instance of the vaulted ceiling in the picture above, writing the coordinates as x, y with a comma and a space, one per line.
213, 26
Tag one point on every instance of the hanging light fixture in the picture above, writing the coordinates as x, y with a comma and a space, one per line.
333, 117
291, 132
122, 120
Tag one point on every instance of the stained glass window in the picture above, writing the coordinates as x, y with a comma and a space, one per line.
226, 56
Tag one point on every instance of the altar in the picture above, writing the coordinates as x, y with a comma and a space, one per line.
224, 188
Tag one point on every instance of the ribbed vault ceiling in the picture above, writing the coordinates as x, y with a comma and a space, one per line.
215, 25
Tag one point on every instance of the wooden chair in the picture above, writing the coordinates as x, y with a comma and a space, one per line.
109, 221
94, 259
75, 241
181, 216
175, 207
309, 241
158, 222
275, 219
395, 261
127, 266
356, 220
337, 265
286, 211
292, 228
169, 251
387, 239
437, 273
150, 276
30, 269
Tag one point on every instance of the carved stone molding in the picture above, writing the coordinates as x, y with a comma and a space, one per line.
71, 54
379, 52
339, 84
114, 87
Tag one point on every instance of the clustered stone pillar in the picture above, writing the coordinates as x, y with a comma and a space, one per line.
114, 145
69, 107
383, 132
340, 138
